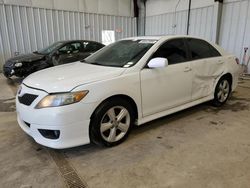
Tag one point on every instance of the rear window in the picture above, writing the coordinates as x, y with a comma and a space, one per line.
200, 49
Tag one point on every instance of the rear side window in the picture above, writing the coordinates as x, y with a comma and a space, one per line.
214, 52
174, 50
200, 49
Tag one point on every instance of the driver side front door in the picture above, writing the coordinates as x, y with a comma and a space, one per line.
167, 87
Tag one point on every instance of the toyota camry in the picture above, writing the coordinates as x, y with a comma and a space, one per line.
127, 83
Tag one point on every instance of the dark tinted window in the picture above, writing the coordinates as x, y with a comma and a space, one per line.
91, 46
173, 50
213, 51
201, 49
73, 47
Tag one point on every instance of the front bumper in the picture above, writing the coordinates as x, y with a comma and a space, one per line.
72, 121
71, 135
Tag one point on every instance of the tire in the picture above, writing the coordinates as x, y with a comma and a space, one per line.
111, 122
222, 92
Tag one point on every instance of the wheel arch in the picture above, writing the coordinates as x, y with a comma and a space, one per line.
120, 96
229, 77
116, 96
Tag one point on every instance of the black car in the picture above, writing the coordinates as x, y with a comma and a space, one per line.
58, 53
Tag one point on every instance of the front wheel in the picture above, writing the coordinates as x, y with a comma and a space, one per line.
111, 122
222, 92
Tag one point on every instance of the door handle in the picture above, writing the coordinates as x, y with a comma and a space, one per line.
187, 69
220, 61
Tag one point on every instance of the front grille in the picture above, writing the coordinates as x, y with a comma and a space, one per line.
27, 99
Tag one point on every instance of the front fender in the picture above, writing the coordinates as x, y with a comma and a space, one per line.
128, 84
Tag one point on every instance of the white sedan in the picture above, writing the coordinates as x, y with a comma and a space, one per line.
129, 82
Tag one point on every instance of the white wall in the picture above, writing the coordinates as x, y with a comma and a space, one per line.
156, 7
235, 27
170, 17
109, 7
161, 19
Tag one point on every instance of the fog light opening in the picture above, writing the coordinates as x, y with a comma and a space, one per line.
50, 134
26, 123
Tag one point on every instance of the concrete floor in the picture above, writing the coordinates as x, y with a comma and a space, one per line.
200, 147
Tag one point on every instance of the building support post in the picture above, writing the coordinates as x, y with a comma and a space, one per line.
188, 20
141, 19
218, 5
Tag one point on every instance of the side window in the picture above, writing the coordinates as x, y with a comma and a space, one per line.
70, 48
91, 46
174, 50
76, 47
200, 49
214, 52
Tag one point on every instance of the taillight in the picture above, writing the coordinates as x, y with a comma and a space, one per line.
237, 60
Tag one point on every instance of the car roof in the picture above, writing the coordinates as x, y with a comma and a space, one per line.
164, 37
67, 41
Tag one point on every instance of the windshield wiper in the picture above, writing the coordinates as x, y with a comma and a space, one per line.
93, 63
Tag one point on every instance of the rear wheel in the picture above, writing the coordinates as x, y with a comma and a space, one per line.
222, 91
111, 122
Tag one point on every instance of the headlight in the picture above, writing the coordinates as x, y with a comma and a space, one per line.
61, 99
18, 64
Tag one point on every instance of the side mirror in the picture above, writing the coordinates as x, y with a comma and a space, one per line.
158, 62
57, 53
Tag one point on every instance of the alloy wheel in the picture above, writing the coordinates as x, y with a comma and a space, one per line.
223, 91
115, 124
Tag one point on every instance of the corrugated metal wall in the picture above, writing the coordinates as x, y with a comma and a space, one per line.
234, 30
169, 23
26, 29
235, 26
201, 23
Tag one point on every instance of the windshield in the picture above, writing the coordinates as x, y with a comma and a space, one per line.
125, 53
50, 48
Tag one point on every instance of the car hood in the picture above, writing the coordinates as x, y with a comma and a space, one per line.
64, 78
26, 58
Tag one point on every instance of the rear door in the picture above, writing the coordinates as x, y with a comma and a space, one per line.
207, 64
